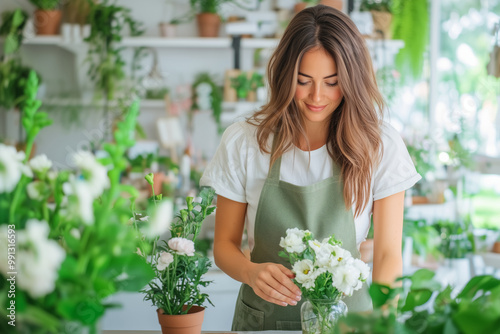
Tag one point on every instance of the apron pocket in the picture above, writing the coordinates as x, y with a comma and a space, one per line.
288, 325
247, 318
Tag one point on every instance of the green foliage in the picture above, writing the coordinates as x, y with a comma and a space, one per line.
107, 22
242, 84
12, 28
213, 6
426, 239
215, 96
455, 241
421, 158
179, 283
99, 255
376, 5
476, 309
411, 24
46, 4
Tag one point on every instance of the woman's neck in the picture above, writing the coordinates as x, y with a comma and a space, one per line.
316, 135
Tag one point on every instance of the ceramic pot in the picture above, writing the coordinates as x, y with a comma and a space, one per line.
47, 22
189, 323
299, 6
167, 29
496, 247
208, 24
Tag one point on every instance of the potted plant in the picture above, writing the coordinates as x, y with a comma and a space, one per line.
242, 85
179, 268
258, 90
47, 16
207, 94
382, 16
76, 220
168, 26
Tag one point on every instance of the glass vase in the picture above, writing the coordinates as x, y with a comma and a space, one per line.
319, 316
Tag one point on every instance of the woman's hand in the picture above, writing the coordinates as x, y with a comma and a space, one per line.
273, 283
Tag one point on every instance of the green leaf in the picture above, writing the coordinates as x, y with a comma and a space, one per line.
380, 294
478, 283
138, 272
81, 308
68, 268
416, 298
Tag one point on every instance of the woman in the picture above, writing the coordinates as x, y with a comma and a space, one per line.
316, 157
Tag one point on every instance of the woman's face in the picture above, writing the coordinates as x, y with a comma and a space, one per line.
318, 93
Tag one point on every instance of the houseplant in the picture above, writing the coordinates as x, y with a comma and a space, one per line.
78, 220
242, 83
325, 273
411, 24
424, 306
207, 15
47, 16
382, 16
106, 63
179, 268
210, 99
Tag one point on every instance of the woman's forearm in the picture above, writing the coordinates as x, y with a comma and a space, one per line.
231, 260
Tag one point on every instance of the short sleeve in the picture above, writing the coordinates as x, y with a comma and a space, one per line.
396, 171
226, 173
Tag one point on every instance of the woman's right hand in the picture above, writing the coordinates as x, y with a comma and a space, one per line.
273, 283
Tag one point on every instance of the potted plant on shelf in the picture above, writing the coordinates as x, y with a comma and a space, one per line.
207, 15
206, 95
242, 84
176, 288
382, 16
47, 16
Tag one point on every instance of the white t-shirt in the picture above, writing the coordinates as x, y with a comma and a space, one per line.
239, 169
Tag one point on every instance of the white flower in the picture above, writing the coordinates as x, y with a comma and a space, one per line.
293, 241
95, 174
75, 233
11, 168
33, 190
323, 251
363, 269
83, 207
160, 221
164, 260
40, 164
182, 246
303, 270
346, 279
339, 256
39, 259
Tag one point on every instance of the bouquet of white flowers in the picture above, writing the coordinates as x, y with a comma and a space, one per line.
324, 271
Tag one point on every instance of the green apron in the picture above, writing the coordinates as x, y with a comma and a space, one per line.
318, 208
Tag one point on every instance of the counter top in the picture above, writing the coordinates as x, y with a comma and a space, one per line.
203, 332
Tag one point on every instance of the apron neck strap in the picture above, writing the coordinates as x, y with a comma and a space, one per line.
274, 170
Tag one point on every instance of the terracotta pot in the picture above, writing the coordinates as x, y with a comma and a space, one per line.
496, 247
299, 6
182, 324
420, 200
208, 24
337, 4
47, 22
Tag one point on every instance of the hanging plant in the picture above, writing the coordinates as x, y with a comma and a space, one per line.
215, 97
107, 22
106, 68
411, 25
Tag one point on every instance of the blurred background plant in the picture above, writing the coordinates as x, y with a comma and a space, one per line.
76, 247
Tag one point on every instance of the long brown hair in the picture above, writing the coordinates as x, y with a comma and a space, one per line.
354, 139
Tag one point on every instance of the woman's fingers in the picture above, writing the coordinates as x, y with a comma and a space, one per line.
274, 284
